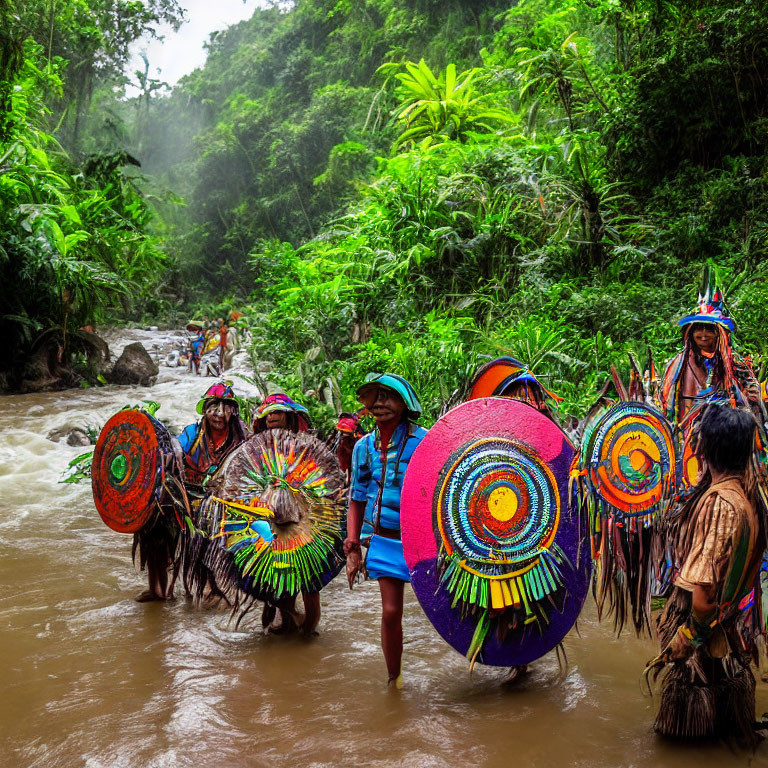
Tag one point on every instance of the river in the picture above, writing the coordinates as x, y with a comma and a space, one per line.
92, 678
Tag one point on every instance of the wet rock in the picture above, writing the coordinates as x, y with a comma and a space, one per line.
74, 436
134, 366
78, 437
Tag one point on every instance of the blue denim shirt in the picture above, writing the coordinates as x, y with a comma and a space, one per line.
367, 465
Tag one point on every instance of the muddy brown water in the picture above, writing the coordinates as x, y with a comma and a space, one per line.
91, 678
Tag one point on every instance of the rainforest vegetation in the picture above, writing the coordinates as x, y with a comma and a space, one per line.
410, 185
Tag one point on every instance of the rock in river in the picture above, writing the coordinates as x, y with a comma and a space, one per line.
134, 366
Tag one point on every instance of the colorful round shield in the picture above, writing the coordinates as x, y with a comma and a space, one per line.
493, 549
128, 470
689, 462
630, 458
277, 516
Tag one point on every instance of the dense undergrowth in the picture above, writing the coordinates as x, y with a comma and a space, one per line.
556, 201
75, 229
415, 185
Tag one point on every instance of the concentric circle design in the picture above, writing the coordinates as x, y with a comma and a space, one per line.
496, 556
630, 458
497, 506
127, 470
690, 463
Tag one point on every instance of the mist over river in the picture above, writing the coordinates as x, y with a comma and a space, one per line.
92, 678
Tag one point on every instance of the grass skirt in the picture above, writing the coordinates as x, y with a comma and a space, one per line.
706, 698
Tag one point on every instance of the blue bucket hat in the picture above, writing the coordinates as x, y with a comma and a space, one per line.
367, 393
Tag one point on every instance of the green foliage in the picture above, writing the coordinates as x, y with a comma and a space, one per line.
74, 239
78, 469
547, 237
546, 182
442, 108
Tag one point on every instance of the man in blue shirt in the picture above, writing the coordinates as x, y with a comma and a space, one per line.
379, 462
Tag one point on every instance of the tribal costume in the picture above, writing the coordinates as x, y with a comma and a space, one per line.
693, 376
201, 455
708, 688
159, 547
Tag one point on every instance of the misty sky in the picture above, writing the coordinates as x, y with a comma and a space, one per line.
181, 52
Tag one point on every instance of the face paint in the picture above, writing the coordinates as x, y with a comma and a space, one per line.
218, 413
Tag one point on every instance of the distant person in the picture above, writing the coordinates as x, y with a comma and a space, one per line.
196, 338
222, 344
379, 462
349, 430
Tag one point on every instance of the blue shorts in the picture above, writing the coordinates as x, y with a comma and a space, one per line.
385, 558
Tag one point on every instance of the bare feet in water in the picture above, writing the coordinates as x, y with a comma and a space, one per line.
148, 596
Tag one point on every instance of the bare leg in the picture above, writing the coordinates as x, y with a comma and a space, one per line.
288, 620
311, 611
157, 582
157, 561
392, 623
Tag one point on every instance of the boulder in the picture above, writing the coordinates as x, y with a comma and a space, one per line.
78, 437
74, 436
134, 366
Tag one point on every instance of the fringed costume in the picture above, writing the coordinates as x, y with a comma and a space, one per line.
273, 526
201, 454
725, 374
202, 457
694, 376
708, 689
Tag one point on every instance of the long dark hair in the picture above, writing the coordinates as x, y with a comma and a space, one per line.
726, 443
698, 356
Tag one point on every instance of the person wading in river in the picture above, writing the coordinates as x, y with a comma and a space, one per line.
379, 462
707, 629
206, 442
278, 411
510, 378
196, 344
204, 445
